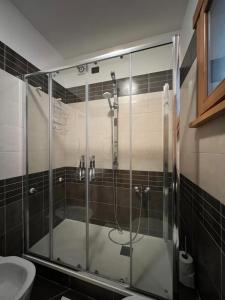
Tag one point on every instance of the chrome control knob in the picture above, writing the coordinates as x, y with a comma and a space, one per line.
146, 189
136, 189
60, 179
32, 191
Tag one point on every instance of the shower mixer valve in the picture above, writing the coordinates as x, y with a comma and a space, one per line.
82, 169
142, 190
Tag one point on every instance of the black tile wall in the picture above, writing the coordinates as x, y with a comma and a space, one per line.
58, 91
39, 202
158, 79
147, 83
14, 241
40, 81
11, 209
11, 233
45, 289
81, 287
16, 65
75, 94
2, 55
102, 202
202, 223
188, 60
105, 177
13, 63
94, 291
186, 293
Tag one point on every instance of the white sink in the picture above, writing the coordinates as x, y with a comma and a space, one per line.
16, 278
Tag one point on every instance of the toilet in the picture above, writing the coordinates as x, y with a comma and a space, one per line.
16, 278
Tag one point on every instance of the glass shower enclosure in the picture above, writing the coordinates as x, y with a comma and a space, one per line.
101, 168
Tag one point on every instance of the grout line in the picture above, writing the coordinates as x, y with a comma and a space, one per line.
216, 244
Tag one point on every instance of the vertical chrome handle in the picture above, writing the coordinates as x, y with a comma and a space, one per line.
82, 170
92, 168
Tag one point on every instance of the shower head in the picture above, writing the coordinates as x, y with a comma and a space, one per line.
108, 96
113, 76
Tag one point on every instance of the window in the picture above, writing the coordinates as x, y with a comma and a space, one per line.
210, 27
216, 44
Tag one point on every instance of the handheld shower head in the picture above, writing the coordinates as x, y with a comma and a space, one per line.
108, 96
113, 76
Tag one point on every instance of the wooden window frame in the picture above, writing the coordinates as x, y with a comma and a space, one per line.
209, 106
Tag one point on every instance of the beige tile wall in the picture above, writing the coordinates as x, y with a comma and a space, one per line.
202, 149
11, 126
69, 134
75, 141
38, 116
147, 145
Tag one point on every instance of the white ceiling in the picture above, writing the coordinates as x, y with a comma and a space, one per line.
77, 27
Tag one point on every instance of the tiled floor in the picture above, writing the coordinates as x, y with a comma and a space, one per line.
44, 289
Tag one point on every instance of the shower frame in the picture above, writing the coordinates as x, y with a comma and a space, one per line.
122, 288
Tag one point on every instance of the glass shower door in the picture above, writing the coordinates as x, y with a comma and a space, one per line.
109, 169
99, 169
37, 165
69, 170
152, 255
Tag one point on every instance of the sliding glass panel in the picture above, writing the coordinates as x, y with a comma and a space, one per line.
108, 151
37, 200
151, 242
109, 169
68, 160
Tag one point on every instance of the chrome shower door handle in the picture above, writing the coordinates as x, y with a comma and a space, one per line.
92, 168
90, 174
81, 169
